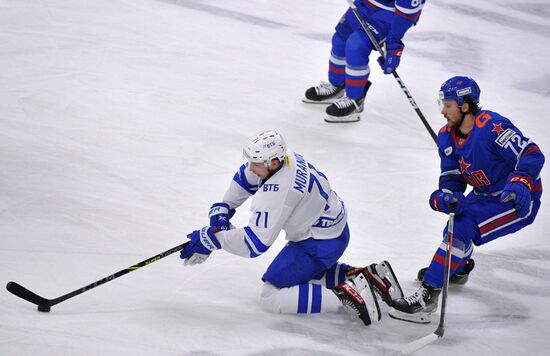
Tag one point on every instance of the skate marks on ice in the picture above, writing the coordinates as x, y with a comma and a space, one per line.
336, 334
540, 9
514, 271
494, 299
504, 17
230, 14
504, 289
453, 49
540, 84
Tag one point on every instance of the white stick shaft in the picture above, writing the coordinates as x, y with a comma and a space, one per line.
418, 344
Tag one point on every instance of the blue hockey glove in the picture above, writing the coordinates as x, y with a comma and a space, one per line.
441, 199
394, 50
519, 190
202, 243
220, 214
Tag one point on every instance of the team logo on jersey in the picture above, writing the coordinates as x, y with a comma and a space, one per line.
504, 137
270, 187
476, 178
448, 151
464, 166
497, 128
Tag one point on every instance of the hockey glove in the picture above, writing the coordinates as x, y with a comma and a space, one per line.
219, 215
202, 243
519, 190
441, 199
394, 50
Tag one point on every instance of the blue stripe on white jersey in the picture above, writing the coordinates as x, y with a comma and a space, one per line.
327, 222
255, 246
240, 179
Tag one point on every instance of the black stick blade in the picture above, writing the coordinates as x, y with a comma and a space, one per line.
24, 293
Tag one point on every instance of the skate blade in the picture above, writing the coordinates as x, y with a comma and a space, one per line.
343, 119
395, 291
354, 314
324, 102
371, 302
418, 318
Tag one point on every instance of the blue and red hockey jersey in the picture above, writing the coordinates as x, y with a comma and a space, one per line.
405, 13
492, 154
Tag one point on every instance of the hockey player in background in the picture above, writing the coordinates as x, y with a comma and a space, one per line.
349, 69
485, 150
290, 194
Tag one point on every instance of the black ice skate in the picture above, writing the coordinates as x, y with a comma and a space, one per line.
457, 279
357, 297
324, 93
382, 279
345, 110
417, 307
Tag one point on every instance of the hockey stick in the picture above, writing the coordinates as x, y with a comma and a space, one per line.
44, 304
438, 333
395, 75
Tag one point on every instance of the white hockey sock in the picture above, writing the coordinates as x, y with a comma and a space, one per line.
301, 299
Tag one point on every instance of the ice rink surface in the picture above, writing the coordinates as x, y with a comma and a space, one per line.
123, 121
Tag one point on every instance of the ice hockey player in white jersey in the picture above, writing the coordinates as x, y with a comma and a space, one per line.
290, 194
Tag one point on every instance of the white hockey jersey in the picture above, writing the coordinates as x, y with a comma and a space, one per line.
297, 199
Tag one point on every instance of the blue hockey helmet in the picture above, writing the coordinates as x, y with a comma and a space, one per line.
457, 88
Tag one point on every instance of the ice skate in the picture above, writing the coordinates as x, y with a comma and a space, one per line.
357, 297
384, 282
417, 307
324, 93
345, 110
458, 278
382, 279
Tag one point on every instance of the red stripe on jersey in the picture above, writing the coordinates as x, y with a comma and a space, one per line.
537, 188
412, 18
355, 82
498, 222
370, 4
530, 150
337, 70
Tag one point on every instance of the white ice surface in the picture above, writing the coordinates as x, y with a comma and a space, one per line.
122, 121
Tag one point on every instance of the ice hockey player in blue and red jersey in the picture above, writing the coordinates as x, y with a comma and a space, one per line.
485, 150
349, 57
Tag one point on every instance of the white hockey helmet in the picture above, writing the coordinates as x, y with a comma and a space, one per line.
265, 147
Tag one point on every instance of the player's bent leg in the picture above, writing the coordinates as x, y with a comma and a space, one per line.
329, 92
465, 230
420, 305
301, 299
459, 278
349, 107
